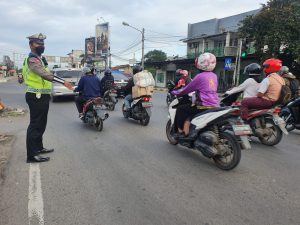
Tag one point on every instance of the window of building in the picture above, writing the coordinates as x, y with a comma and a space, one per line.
206, 45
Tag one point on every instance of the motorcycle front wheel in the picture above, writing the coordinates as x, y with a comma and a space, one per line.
125, 114
276, 133
169, 132
231, 156
288, 118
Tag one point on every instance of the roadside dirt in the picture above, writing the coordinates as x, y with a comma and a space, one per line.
7, 116
6, 143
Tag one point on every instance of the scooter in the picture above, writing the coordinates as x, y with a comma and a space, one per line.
266, 124
92, 113
291, 114
217, 133
109, 98
140, 109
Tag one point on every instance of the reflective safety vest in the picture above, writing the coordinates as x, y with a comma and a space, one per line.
34, 82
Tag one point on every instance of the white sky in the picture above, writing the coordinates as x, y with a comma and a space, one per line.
68, 22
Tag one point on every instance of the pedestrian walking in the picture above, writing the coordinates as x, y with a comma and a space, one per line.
38, 80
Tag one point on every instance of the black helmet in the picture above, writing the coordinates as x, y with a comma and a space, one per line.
137, 69
107, 72
177, 73
253, 69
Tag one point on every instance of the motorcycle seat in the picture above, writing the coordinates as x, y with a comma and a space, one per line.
216, 109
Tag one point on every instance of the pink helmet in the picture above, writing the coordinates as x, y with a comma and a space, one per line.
184, 73
206, 62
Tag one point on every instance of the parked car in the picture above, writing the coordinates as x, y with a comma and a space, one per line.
68, 74
120, 81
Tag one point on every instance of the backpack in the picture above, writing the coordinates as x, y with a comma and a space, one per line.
285, 95
294, 86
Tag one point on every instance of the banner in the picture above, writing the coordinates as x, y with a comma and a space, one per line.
90, 46
102, 39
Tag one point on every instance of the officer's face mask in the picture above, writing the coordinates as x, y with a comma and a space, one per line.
40, 50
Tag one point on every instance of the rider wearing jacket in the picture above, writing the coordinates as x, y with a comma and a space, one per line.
268, 91
107, 81
128, 88
89, 87
205, 84
249, 86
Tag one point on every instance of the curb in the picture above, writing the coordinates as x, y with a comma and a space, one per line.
3, 80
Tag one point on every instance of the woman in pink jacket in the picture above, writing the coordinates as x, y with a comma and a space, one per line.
205, 84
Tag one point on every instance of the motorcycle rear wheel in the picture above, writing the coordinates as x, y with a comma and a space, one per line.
277, 133
99, 124
111, 107
145, 121
235, 153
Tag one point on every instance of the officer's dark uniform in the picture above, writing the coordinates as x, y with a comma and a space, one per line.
38, 80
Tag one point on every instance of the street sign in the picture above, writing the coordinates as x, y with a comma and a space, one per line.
227, 64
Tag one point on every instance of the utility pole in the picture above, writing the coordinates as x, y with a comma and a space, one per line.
143, 40
237, 67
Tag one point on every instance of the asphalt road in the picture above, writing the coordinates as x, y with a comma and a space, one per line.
130, 174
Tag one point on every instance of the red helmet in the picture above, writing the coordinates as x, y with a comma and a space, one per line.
272, 65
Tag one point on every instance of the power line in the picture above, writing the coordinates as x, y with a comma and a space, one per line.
170, 35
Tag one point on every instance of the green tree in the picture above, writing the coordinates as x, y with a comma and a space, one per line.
155, 56
277, 26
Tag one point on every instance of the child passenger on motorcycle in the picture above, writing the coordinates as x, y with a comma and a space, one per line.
205, 84
184, 79
89, 87
268, 91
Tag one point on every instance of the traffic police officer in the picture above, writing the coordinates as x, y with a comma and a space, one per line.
38, 80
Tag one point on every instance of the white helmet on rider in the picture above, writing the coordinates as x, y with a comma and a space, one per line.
206, 62
87, 69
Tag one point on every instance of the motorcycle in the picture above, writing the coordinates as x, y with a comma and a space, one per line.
266, 124
140, 110
217, 133
20, 79
109, 98
92, 113
290, 113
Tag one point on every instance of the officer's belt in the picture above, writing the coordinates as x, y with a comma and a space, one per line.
45, 91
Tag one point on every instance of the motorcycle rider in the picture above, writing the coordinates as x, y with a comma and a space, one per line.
205, 84
107, 81
128, 88
89, 87
249, 86
290, 80
269, 89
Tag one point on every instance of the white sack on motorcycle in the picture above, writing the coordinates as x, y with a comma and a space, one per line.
143, 79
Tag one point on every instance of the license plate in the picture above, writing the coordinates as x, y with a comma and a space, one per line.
113, 94
243, 129
147, 104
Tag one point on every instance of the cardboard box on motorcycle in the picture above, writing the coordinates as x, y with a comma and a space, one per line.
144, 84
140, 91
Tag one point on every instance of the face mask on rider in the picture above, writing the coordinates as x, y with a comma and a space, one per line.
40, 50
